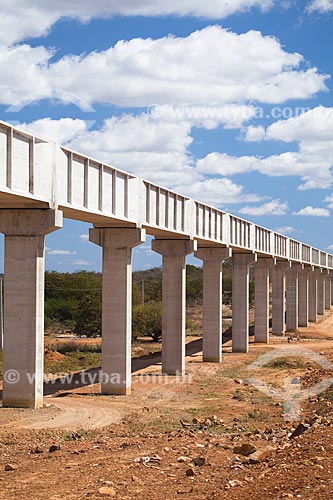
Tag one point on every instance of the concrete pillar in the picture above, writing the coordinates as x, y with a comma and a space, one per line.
261, 314
240, 301
328, 298
320, 294
278, 297
212, 301
23, 353
117, 244
313, 296
292, 297
303, 297
173, 302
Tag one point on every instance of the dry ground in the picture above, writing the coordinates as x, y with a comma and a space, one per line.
179, 440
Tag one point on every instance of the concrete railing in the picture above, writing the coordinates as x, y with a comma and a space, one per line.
34, 170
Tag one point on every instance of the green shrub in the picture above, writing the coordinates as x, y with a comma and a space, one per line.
147, 320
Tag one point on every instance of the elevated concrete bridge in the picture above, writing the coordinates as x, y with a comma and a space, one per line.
40, 182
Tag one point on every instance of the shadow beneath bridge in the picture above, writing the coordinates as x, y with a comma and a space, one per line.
92, 376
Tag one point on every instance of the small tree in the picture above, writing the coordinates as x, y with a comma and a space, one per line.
147, 320
89, 320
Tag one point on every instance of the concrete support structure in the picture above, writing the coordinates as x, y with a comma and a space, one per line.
117, 244
278, 297
261, 314
303, 296
320, 294
173, 302
23, 352
313, 296
240, 301
212, 301
292, 297
328, 296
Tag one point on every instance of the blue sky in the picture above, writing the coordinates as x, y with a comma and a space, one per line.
228, 102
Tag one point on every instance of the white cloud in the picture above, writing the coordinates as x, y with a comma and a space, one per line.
274, 207
211, 67
313, 211
330, 247
60, 131
314, 125
81, 263
218, 192
285, 230
289, 163
22, 80
312, 162
84, 237
253, 134
20, 20
61, 252
320, 6
209, 117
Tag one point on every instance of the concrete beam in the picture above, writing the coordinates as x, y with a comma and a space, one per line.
292, 297
117, 244
240, 300
212, 300
261, 313
23, 353
173, 302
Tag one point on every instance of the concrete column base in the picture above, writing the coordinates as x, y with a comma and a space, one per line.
23, 353
278, 298
212, 301
173, 302
117, 246
292, 297
261, 300
240, 301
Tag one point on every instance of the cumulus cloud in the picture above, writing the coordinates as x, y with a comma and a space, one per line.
254, 134
60, 131
314, 125
313, 212
312, 161
218, 192
274, 207
211, 67
320, 6
20, 20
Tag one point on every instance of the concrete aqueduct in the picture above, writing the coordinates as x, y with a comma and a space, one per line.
40, 182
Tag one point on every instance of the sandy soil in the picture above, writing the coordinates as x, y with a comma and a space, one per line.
173, 439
